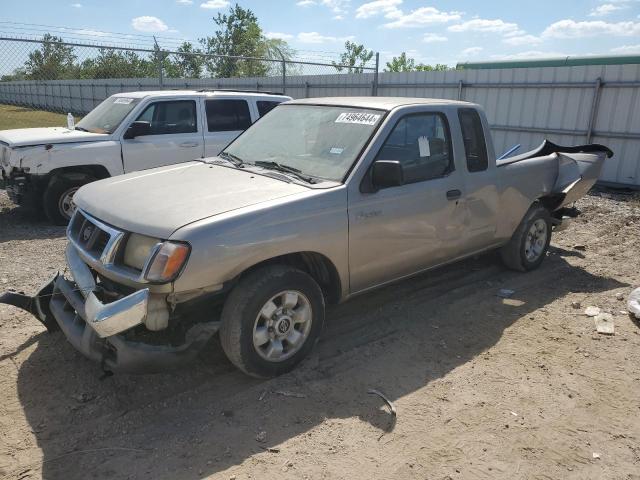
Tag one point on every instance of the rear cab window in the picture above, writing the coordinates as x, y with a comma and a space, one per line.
227, 115
475, 146
265, 106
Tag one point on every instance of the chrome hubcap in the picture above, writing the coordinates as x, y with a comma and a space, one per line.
282, 325
65, 204
536, 240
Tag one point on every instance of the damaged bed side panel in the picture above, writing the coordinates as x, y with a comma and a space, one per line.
558, 177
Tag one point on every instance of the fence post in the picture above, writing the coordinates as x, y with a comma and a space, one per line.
374, 89
158, 55
460, 87
594, 108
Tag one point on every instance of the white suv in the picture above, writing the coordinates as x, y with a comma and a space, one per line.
44, 167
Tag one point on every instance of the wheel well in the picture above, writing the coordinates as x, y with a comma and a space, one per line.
96, 171
318, 266
552, 201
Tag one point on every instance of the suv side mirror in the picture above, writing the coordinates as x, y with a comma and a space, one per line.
387, 173
137, 129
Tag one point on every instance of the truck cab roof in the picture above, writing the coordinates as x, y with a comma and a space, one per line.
203, 93
381, 103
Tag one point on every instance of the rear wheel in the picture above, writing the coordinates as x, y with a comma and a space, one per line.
58, 197
271, 320
529, 244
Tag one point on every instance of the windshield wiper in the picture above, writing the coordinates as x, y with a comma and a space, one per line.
237, 161
82, 129
285, 169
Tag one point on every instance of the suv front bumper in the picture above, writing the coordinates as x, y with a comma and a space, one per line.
94, 328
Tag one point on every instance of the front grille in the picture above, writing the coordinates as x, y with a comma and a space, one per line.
94, 238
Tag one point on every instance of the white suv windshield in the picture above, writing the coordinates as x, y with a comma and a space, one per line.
320, 141
106, 117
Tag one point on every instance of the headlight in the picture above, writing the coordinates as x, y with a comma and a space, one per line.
138, 249
167, 262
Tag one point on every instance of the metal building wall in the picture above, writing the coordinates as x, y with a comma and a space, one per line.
567, 105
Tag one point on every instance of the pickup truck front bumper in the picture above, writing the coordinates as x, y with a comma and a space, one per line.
95, 328
23, 188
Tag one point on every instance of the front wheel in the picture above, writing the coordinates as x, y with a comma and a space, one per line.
58, 197
271, 320
529, 244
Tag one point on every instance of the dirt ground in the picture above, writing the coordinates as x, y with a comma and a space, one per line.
484, 387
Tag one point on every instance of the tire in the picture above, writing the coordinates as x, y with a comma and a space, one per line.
56, 196
245, 325
526, 250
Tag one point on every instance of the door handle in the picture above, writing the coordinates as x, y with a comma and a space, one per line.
189, 144
454, 194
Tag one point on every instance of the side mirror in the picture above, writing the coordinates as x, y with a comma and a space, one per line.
137, 129
387, 173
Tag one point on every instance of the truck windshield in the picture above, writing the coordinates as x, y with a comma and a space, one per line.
106, 117
320, 141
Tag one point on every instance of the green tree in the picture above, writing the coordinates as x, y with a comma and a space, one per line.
238, 35
52, 61
188, 62
403, 63
112, 63
354, 58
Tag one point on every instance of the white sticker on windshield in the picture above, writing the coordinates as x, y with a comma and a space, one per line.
336, 151
360, 118
423, 146
123, 101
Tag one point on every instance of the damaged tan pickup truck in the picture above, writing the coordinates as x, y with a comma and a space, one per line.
320, 200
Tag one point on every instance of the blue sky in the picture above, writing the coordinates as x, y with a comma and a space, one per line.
444, 31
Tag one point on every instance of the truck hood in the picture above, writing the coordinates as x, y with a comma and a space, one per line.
157, 202
21, 137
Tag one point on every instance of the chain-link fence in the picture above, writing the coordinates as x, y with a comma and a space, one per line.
41, 80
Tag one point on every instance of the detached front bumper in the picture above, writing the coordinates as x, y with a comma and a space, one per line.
94, 328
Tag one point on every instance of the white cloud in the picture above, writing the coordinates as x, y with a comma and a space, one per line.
338, 7
433, 38
572, 29
214, 4
605, 9
315, 37
388, 8
149, 24
184, 2
305, 3
626, 49
519, 40
487, 26
468, 52
76, 5
281, 36
423, 16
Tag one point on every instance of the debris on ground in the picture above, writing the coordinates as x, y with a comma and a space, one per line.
392, 407
596, 455
261, 436
592, 311
604, 323
271, 449
576, 305
580, 247
620, 296
505, 293
83, 397
290, 394
634, 303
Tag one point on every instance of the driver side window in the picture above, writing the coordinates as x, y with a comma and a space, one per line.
171, 117
422, 144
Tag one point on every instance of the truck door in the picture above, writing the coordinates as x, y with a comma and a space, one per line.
226, 118
481, 191
176, 136
401, 230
